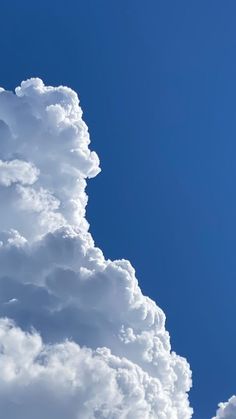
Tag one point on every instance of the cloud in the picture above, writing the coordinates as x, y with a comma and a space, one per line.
227, 410
83, 341
17, 171
64, 380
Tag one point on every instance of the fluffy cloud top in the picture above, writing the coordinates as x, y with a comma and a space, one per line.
83, 341
227, 410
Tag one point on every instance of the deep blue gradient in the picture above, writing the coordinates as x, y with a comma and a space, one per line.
157, 82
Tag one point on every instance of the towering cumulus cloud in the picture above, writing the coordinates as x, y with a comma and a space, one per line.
78, 340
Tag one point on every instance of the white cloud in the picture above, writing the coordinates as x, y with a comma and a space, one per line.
55, 280
65, 380
17, 171
227, 410
43, 127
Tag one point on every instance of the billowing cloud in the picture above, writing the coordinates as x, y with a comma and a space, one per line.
227, 410
17, 171
68, 381
83, 341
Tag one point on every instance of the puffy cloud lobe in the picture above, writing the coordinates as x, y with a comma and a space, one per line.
54, 279
17, 171
227, 410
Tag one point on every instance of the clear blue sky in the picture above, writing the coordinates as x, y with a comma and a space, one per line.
157, 82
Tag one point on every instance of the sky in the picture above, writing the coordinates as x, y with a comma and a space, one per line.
157, 86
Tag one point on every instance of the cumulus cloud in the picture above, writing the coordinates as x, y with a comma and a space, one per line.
227, 410
77, 336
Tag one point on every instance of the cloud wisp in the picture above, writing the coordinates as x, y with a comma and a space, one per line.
78, 339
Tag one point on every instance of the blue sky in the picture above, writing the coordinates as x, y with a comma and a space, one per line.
157, 84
